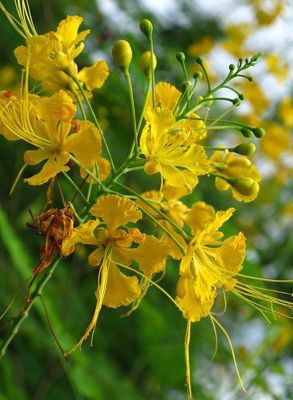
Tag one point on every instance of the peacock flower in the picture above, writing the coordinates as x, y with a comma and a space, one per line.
47, 124
167, 150
209, 263
50, 57
113, 243
236, 173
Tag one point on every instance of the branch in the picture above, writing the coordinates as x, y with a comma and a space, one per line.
21, 317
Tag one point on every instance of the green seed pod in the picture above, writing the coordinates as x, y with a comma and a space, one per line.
145, 63
146, 27
245, 149
122, 54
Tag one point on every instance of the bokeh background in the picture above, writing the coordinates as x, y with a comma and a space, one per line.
141, 357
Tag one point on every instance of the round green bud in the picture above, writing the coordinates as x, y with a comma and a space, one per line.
199, 60
146, 27
122, 54
259, 132
236, 102
145, 62
232, 67
245, 186
180, 57
245, 149
197, 75
241, 96
185, 85
246, 132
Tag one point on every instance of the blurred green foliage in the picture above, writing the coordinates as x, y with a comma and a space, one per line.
139, 357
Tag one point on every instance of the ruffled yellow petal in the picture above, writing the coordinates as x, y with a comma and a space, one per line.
116, 211
150, 255
121, 289
192, 307
50, 169
95, 76
67, 32
199, 215
166, 96
230, 256
59, 107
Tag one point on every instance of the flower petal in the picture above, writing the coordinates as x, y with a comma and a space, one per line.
116, 211
50, 169
95, 76
121, 289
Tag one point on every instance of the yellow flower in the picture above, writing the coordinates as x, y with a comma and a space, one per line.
50, 57
276, 140
47, 123
255, 95
285, 111
168, 151
209, 263
236, 38
277, 67
236, 173
203, 46
113, 249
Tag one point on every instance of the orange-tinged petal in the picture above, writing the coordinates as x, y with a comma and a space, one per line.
95, 76
121, 289
116, 211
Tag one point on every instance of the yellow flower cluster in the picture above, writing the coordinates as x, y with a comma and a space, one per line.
169, 141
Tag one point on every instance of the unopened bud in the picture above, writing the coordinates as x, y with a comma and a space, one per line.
180, 57
236, 102
232, 67
199, 60
259, 132
197, 76
245, 149
122, 54
210, 102
245, 186
246, 132
146, 27
145, 62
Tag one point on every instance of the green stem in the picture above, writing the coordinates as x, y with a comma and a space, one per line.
72, 183
21, 317
144, 105
132, 108
96, 122
149, 204
152, 69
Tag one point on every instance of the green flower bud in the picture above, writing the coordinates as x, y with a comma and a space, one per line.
199, 60
245, 149
146, 27
180, 57
145, 62
197, 76
232, 67
258, 132
122, 54
246, 132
